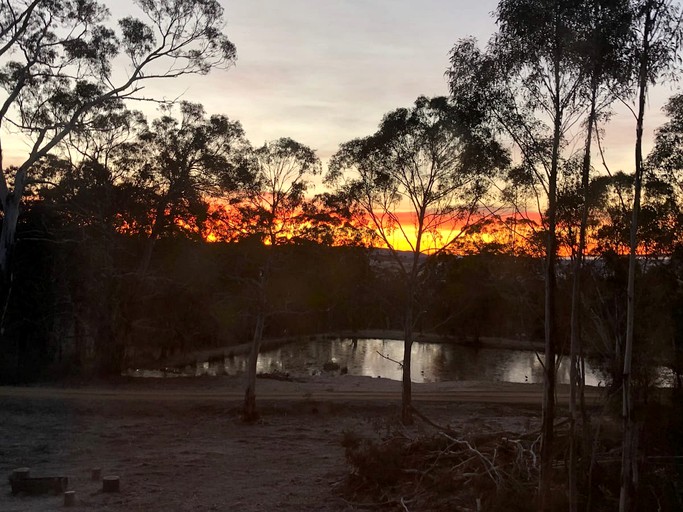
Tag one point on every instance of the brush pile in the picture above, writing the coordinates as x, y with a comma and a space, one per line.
443, 471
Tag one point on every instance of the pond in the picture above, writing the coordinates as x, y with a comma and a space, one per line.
431, 362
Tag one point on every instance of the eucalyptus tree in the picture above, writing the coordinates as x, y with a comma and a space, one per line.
273, 212
283, 169
63, 63
420, 179
657, 33
79, 178
334, 219
528, 82
183, 161
603, 48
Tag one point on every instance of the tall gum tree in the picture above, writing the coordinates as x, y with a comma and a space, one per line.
419, 179
58, 59
657, 35
527, 84
602, 46
273, 212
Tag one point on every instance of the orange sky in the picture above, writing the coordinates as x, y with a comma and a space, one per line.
402, 240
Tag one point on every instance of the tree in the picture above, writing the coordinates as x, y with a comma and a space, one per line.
59, 72
274, 205
605, 36
334, 219
183, 164
419, 179
272, 213
657, 33
530, 76
665, 164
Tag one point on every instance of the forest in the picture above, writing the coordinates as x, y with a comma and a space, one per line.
490, 212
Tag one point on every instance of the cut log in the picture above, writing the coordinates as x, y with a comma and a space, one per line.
40, 485
96, 474
110, 484
69, 498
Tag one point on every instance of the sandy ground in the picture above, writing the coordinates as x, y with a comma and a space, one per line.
178, 444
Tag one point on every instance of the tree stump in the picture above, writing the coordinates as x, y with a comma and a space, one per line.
39, 485
21, 474
110, 484
69, 498
96, 474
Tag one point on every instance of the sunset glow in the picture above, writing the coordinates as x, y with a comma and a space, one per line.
225, 224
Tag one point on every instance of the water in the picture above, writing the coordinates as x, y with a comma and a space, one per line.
431, 362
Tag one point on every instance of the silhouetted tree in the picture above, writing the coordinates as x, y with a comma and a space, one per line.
272, 213
58, 72
420, 179
531, 73
657, 33
185, 163
666, 158
603, 42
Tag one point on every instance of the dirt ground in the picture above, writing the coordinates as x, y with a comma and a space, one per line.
179, 444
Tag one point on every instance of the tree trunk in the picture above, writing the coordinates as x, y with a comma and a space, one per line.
406, 392
575, 370
7, 238
249, 413
629, 480
8, 231
157, 228
628, 483
548, 416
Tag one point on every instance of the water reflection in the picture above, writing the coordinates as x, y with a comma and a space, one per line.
379, 358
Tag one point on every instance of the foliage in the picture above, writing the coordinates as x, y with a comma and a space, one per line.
181, 164
58, 72
274, 206
427, 159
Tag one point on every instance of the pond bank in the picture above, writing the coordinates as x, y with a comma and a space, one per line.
219, 353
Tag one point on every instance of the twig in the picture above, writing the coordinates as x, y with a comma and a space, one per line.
522, 455
403, 504
369, 505
488, 465
466, 461
400, 363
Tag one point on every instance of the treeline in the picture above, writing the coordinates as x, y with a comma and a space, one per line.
80, 306
113, 266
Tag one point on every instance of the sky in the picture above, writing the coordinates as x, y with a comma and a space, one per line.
324, 72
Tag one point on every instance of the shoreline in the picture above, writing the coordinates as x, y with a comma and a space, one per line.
216, 354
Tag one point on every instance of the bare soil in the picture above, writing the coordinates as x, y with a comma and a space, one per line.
179, 444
